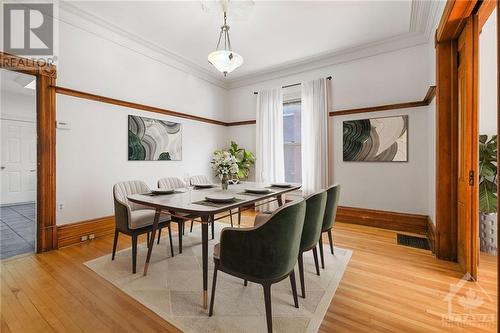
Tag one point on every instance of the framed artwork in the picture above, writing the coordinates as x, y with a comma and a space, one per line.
382, 139
154, 140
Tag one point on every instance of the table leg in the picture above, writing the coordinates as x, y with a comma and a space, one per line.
204, 249
150, 244
280, 200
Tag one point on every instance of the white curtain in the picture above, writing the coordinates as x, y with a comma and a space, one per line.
269, 163
314, 136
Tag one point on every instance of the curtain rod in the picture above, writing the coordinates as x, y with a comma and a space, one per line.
292, 85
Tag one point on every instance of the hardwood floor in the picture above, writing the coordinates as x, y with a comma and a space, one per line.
386, 288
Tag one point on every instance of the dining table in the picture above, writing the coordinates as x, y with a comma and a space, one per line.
194, 204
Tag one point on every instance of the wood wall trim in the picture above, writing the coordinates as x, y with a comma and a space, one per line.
431, 234
413, 223
70, 234
103, 99
27, 66
429, 96
453, 20
46, 230
484, 12
446, 150
132, 105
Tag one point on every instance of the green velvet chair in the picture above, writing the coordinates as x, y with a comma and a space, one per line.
311, 233
332, 201
265, 254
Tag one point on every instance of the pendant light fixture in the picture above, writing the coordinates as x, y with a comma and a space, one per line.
225, 60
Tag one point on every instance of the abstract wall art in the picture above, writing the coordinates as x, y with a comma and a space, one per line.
154, 140
376, 140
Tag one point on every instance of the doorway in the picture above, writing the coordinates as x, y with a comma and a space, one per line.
18, 164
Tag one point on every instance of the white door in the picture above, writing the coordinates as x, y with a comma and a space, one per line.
18, 162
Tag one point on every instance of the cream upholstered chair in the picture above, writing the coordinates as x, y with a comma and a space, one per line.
200, 179
175, 183
171, 182
133, 219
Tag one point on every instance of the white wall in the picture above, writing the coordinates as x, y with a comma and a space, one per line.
488, 77
398, 76
92, 155
16, 106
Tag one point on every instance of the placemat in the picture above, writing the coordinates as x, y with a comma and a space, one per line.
215, 204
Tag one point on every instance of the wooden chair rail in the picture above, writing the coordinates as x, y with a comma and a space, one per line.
103, 99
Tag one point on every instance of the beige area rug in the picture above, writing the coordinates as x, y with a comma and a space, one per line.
173, 289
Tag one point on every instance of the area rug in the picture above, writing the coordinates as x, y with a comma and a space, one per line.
173, 289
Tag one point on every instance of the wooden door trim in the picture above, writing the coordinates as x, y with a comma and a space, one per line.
45, 74
484, 12
453, 20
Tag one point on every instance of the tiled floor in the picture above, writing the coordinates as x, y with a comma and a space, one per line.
17, 230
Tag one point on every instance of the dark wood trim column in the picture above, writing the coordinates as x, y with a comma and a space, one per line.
446, 150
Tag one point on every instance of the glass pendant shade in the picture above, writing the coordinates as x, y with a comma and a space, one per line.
225, 61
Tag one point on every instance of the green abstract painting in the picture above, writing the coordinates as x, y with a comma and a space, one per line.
376, 140
154, 140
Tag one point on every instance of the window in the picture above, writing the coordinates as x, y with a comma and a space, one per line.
292, 141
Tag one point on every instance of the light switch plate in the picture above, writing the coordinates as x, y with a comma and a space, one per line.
63, 125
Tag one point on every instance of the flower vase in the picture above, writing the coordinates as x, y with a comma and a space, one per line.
224, 182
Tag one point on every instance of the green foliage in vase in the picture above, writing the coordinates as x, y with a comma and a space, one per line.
244, 158
487, 174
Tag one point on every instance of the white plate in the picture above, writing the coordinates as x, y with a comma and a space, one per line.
220, 198
204, 185
163, 191
281, 185
258, 190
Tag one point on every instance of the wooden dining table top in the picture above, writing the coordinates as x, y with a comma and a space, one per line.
193, 201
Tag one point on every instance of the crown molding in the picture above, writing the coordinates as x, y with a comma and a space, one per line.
403, 41
136, 43
423, 20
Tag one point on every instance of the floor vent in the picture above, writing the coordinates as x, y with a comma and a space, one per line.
413, 241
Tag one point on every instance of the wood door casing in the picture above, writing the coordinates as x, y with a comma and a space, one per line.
467, 140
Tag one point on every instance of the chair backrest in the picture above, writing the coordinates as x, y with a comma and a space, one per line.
315, 212
123, 189
332, 201
171, 182
123, 206
272, 248
200, 179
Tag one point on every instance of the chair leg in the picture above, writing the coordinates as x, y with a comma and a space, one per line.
245, 282
231, 217
148, 236
294, 289
315, 255
213, 227
267, 300
212, 297
134, 253
191, 229
115, 242
330, 239
239, 217
159, 235
170, 239
321, 251
301, 276
179, 227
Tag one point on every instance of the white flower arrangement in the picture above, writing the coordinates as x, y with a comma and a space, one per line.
224, 164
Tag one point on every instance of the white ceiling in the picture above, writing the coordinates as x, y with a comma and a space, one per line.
268, 34
14, 82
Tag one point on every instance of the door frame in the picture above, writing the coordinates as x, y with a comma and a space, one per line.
46, 229
455, 17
